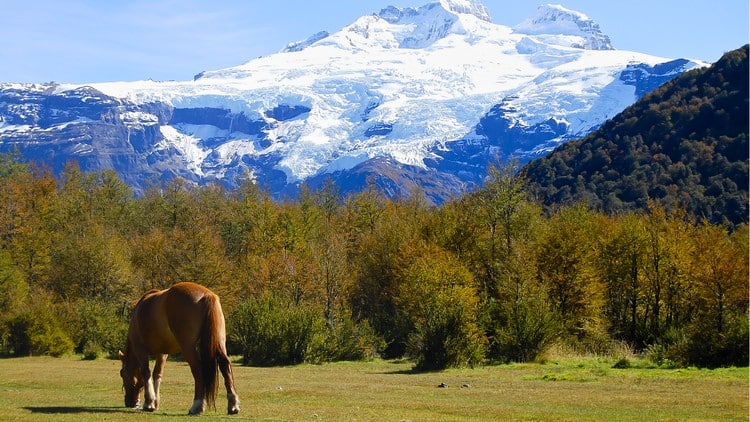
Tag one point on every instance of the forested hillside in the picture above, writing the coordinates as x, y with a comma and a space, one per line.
685, 146
487, 278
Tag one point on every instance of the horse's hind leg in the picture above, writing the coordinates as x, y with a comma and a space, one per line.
191, 356
233, 401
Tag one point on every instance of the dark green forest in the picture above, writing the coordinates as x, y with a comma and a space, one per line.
488, 278
685, 145
634, 237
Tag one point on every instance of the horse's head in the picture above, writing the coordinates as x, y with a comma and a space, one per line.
131, 382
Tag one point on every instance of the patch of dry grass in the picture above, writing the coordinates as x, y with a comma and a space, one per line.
561, 389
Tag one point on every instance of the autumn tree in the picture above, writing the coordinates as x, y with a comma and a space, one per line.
666, 291
516, 314
565, 266
719, 270
178, 238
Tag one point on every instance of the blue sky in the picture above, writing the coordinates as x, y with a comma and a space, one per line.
82, 41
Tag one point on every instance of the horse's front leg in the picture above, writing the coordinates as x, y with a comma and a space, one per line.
158, 369
148, 382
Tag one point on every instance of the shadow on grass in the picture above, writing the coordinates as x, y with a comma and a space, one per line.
413, 371
71, 410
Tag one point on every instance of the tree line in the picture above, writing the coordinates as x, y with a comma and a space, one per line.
487, 278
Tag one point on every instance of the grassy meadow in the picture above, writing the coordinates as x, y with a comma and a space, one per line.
68, 388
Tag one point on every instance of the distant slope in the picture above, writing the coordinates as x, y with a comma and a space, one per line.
684, 145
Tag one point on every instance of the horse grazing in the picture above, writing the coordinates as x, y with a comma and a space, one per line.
185, 318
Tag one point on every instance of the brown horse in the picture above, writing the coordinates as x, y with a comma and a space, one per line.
185, 318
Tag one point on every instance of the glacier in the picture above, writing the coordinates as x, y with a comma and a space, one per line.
413, 88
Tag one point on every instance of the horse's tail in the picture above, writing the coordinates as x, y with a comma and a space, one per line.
210, 346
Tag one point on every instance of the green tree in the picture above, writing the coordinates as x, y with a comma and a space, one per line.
92, 263
508, 218
620, 262
438, 297
374, 258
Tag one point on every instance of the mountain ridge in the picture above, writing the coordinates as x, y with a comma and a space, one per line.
684, 145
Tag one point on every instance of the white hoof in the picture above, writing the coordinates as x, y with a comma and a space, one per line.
197, 408
233, 407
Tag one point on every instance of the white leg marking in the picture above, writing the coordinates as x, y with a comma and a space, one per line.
149, 406
197, 407
233, 407
157, 395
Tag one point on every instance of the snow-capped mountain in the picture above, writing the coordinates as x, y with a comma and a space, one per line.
424, 96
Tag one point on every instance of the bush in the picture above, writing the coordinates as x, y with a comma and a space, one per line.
665, 351
16, 340
346, 340
520, 333
622, 363
37, 332
446, 338
268, 332
706, 347
98, 329
438, 298
700, 344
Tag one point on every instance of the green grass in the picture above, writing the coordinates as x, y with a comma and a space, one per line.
69, 388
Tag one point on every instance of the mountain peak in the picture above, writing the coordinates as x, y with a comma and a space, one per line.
409, 27
467, 7
570, 27
454, 7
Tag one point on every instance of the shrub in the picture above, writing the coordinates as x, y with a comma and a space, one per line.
622, 363
37, 332
668, 350
446, 338
346, 340
520, 332
98, 329
438, 298
269, 332
707, 347
16, 336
